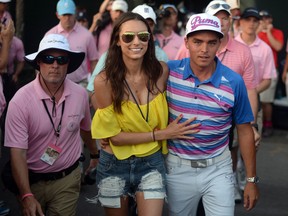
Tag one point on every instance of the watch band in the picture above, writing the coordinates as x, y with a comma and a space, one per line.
255, 125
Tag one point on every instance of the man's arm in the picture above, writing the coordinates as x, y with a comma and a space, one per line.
20, 173
248, 152
275, 44
7, 33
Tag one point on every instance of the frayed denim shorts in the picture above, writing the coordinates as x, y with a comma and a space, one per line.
119, 178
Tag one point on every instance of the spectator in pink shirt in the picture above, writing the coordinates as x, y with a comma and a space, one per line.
261, 52
79, 39
102, 24
6, 35
49, 114
168, 39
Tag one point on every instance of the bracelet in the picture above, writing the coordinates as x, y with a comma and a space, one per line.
153, 135
26, 195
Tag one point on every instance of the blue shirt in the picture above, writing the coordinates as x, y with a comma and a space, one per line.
215, 102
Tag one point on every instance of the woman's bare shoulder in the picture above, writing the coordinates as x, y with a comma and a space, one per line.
102, 90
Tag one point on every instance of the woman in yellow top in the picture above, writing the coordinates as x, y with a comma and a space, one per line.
132, 112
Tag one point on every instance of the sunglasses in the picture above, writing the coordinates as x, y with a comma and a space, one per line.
49, 59
128, 37
216, 6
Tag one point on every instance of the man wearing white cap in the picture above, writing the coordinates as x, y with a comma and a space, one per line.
202, 87
44, 122
79, 39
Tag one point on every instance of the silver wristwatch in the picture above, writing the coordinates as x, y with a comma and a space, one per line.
253, 179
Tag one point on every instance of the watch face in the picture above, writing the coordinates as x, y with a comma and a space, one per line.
253, 179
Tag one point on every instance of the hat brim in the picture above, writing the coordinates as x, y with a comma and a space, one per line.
75, 59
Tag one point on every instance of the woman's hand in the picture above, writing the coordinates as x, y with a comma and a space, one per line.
176, 130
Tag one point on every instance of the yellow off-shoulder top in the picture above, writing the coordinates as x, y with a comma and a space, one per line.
107, 123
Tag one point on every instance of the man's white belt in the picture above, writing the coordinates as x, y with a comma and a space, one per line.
200, 163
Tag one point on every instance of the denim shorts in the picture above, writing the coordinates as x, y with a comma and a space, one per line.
119, 178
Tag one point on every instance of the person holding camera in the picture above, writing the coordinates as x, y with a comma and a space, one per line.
168, 39
102, 24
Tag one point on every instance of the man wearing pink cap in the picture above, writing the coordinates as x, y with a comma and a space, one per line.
202, 87
45, 122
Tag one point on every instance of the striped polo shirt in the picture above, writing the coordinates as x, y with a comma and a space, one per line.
215, 102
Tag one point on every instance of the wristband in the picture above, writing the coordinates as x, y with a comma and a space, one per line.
255, 126
26, 195
94, 156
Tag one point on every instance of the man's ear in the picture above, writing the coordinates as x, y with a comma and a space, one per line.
57, 15
186, 42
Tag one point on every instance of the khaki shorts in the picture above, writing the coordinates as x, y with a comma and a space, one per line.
59, 197
268, 95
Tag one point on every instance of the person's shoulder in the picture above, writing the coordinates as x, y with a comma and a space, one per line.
24, 93
264, 46
227, 72
173, 64
238, 45
101, 83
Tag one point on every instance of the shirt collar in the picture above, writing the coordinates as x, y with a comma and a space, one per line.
215, 79
43, 95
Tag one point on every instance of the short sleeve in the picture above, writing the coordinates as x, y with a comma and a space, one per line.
103, 119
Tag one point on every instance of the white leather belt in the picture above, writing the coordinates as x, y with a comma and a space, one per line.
201, 163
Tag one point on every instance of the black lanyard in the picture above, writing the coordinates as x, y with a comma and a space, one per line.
147, 114
57, 131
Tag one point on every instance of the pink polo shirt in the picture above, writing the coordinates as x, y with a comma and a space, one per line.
104, 39
263, 59
234, 55
16, 54
238, 57
79, 39
28, 125
2, 97
170, 44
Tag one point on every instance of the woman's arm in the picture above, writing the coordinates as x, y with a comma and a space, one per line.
174, 130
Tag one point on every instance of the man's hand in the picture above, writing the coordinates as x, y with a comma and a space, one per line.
251, 195
31, 207
257, 138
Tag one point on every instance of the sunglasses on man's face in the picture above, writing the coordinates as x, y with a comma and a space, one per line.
128, 37
49, 59
216, 6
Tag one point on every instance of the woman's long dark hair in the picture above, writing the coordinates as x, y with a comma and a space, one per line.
116, 69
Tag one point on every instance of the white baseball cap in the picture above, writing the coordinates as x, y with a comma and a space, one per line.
5, 1
59, 42
145, 11
234, 4
119, 5
203, 22
217, 5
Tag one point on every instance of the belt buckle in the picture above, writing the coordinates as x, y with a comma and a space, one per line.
199, 163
